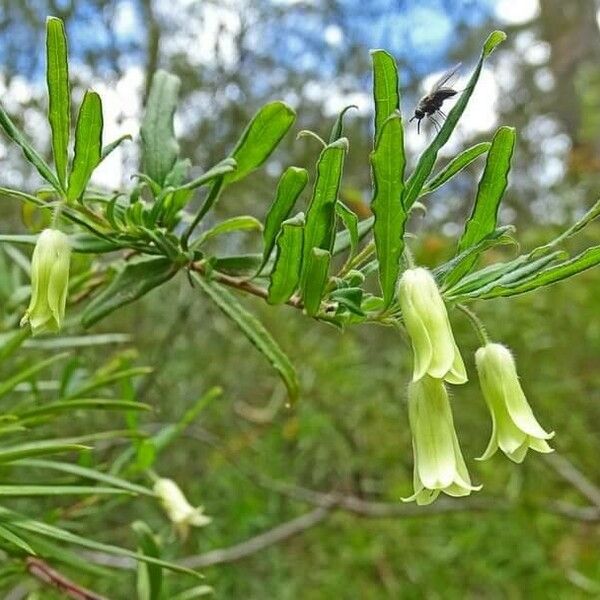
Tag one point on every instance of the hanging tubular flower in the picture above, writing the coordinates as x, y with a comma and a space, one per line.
439, 465
180, 512
426, 320
514, 427
49, 282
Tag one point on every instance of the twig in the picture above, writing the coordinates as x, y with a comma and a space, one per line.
259, 542
42, 571
567, 470
243, 285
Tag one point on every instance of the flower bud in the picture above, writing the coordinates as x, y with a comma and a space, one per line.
426, 320
439, 465
180, 512
49, 282
514, 427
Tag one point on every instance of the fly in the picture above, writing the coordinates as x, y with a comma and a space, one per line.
431, 104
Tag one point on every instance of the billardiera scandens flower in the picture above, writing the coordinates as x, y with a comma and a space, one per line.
426, 320
514, 427
439, 465
180, 512
49, 282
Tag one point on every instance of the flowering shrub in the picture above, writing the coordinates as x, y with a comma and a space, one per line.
322, 261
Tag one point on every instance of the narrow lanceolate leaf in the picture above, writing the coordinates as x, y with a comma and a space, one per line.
29, 151
385, 89
21, 522
28, 372
343, 240
241, 223
482, 281
456, 165
8, 536
285, 275
88, 144
313, 290
260, 138
319, 231
451, 272
160, 148
149, 577
227, 165
586, 260
56, 490
42, 448
350, 220
59, 97
387, 163
136, 279
85, 473
337, 131
415, 183
108, 149
290, 186
254, 330
492, 186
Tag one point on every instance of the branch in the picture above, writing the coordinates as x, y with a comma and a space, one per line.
244, 285
259, 542
569, 472
42, 571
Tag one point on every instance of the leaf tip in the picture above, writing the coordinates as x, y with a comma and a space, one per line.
494, 39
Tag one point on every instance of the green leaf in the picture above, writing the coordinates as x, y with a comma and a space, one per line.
149, 576
7, 535
31, 155
482, 281
385, 89
241, 223
349, 298
285, 275
337, 131
195, 592
41, 448
9, 384
315, 282
290, 186
350, 220
387, 161
260, 138
451, 272
343, 240
160, 148
495, 38
254, 330
61, 406
136, 279
86, 473
113, 146
19, 521
492, 186
15, 491
414, 185
586, 260
88, 144
227, 165
59, 97
319, 231
457, 164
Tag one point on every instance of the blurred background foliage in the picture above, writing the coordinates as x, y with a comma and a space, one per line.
349, 433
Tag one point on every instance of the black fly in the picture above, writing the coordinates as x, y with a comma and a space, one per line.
431, 104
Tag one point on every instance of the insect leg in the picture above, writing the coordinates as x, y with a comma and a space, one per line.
442, 113
436, 124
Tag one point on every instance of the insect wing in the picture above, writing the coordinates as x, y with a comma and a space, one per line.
445, 78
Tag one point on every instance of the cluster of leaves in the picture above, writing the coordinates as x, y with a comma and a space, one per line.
40, 394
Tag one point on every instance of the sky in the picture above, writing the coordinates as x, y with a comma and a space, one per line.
420, 31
